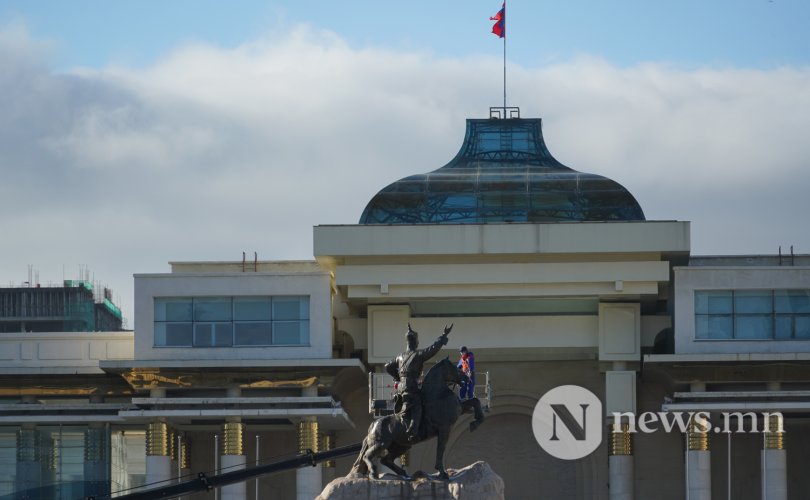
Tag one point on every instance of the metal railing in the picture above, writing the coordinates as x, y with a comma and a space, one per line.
381, 390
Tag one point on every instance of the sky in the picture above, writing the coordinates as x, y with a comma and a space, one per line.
133, 134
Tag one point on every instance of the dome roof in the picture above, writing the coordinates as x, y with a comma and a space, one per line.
503, 173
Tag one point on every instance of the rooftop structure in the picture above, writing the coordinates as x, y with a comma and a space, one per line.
76, 306
503, 173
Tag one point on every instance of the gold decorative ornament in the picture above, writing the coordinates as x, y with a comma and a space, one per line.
157, 439
698, 435
233, 438
621, 442
307, 437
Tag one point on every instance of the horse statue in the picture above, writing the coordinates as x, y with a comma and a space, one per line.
387, 438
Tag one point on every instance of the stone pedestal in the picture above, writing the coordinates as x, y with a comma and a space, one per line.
474, 482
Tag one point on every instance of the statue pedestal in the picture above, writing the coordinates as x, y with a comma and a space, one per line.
473, 482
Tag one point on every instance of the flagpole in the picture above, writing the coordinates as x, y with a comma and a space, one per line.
504, 59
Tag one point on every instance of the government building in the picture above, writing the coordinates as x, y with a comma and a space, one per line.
550, 275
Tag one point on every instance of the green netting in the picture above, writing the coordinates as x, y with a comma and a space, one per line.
112, 308
79, 284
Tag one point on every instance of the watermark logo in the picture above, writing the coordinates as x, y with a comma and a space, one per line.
567, 422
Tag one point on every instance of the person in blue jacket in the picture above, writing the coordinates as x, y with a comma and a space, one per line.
467, 365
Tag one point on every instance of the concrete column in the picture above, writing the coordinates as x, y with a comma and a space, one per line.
698, 462
96, 453
184, 459
173, 450
233, 458
158, 460
774, 460
620, 463
29, 470
308, 480
327, 443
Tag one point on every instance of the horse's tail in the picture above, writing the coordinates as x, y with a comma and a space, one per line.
359, 463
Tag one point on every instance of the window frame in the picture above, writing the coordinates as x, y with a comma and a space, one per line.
196, 341
736, 316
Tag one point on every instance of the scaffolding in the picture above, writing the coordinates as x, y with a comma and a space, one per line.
76, 306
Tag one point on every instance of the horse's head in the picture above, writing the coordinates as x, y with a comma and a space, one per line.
450, 373
444, 372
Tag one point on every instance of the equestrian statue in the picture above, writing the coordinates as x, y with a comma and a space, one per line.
421, 413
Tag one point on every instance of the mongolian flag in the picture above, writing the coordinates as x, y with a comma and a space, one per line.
499, 28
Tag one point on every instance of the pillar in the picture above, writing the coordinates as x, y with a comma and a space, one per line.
327, 443
620, 462
52, 446
308, 480
96, 466
620, 400
158, 459
173, 449
774, 459
184, 459
29, 458
233, 458
698, 461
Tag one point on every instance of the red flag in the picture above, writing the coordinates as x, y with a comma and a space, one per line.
499, 28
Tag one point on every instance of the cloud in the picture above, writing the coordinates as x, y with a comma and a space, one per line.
212, 151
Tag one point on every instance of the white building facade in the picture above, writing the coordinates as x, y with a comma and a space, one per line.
550, 276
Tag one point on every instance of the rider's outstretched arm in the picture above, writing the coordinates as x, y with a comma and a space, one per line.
431, 350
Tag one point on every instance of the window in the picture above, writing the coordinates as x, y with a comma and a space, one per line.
231, 321
752, 314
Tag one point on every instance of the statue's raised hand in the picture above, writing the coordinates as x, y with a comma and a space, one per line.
448, 328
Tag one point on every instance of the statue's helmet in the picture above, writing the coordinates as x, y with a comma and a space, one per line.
411, 334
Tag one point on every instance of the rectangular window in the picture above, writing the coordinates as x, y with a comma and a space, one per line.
253, 333
173, 334
213, 309
752, 314
212, 334
172, 309
252, 308
231, 321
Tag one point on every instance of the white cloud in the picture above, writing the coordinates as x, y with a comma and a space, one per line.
212, 151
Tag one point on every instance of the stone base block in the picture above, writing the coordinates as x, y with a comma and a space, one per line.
473, 482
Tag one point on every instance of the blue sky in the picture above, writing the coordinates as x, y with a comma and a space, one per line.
747, 33
138, 133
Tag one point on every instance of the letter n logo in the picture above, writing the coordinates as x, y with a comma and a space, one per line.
567, 422
576, 429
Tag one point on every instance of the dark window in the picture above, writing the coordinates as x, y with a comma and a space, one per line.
752, 314
231, 321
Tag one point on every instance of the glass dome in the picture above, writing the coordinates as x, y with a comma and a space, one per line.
503, 173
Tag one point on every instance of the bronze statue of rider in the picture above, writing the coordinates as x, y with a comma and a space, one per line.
406, 370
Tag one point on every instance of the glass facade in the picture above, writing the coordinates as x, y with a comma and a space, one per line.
503, 173
231, 321
752, 314
54, 462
